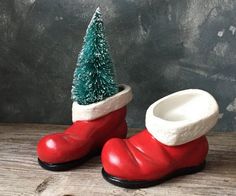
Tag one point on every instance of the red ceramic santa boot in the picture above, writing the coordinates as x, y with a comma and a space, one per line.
173, 144
94, 124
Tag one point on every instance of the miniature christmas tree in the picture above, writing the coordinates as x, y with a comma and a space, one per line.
94, 74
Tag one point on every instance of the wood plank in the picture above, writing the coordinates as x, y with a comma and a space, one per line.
20, 173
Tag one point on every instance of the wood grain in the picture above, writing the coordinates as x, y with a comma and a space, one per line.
20, 173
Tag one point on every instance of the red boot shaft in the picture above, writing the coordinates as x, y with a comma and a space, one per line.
142, 157
82, 137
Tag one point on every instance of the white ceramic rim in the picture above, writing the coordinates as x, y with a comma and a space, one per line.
173, 133
101, 108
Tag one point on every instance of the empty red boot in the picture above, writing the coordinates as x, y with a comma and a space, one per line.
173, 143
94, 124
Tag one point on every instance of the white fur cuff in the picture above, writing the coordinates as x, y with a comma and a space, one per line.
101, 108
182, 116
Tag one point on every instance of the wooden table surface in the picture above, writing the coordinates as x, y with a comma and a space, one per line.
20, 173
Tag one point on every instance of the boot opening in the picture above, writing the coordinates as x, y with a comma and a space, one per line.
192, 105
120, 88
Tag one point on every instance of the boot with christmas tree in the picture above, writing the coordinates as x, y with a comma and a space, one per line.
98, 110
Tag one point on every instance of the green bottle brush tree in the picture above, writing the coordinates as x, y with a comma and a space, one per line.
94, 78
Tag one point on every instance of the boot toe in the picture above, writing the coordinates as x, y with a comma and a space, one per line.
118, 160
49, 148
60, 148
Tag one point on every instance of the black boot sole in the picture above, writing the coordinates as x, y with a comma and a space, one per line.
67, 165
144, 184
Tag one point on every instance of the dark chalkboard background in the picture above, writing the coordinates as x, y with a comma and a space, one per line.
158, 47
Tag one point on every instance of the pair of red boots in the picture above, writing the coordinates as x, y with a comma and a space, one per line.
172, 144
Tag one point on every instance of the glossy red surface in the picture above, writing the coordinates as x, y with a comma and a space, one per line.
142, 157
82, 138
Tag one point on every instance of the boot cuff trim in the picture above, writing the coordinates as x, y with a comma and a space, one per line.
101, 108
182, 116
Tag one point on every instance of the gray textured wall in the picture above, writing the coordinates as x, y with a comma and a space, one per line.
158, 47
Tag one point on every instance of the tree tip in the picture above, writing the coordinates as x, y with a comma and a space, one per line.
98, 10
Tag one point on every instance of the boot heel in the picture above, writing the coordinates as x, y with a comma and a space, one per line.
190, 170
